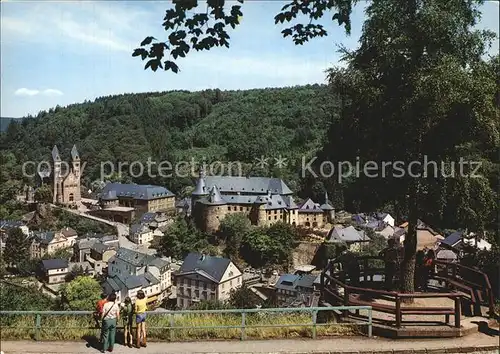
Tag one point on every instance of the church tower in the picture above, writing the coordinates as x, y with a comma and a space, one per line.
75, 159
57, 176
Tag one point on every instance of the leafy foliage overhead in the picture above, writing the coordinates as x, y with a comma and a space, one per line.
203, 25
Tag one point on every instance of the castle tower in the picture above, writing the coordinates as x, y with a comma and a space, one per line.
328, 209
57, 176
75, 159
201, 189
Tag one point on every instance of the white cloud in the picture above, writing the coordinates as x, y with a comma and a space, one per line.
80, 24
51, 92
30, 92
26, 92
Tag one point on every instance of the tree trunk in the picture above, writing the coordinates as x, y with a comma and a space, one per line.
410, 243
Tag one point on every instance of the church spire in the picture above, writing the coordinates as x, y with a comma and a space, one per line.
74, 153
55, 154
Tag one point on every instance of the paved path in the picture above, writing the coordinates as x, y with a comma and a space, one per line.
473, 343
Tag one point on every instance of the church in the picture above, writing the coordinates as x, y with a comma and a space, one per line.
66, 181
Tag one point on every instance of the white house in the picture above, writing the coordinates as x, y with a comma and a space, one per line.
54, 271
385, 217
130, 271
203, 277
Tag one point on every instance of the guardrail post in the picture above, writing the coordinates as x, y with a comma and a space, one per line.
370, 323
398, 311
243, 324
38, 326
346, 301
171, 334
314, 319
458, 313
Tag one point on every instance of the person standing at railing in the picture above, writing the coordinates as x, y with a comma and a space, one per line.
127, 313
98, 313
429, 265
350, 264
140, 309
390, 257
420, 270
110, 317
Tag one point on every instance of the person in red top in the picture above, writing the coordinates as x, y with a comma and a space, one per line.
429, 266
98, 311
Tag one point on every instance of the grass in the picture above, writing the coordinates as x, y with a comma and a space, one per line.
75, 327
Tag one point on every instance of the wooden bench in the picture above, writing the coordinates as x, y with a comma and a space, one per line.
406, 310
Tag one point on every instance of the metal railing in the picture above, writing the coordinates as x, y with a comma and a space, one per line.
243, 314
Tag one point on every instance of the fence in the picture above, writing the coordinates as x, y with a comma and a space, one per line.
182, 325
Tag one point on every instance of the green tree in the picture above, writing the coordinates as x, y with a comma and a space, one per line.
430, 90
19, 298
17, 247
243, 298
81, 293
182, 237
232, 230
44, 194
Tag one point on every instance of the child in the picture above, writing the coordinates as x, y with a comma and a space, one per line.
127, 316
140, 318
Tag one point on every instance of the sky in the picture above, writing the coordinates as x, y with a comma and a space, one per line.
59, 53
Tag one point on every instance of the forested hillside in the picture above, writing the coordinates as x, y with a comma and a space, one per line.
216, 125
178, 126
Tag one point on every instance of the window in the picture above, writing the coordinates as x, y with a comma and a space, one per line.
231, 273
229, 208
230, 283
223, 285
275, 217
235, 208
241, 208
276, 212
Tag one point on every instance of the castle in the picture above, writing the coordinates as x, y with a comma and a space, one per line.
263, 200
66, 184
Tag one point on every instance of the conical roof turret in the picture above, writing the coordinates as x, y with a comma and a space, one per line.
74, 153
327, 205
201, 187
215, 197
55, 154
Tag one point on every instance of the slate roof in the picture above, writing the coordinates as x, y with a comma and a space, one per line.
136, 191
306, 281
74, 153
118, 282
138, 229
10, 224
214, 267
309, 207
347, 234
55, 153
49, 264
44, 237
452, 239
138, 259
147, 217
101, 247
214, 198
68, 232
326, 205
247, 185
85, 243
201, 187
287, 282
